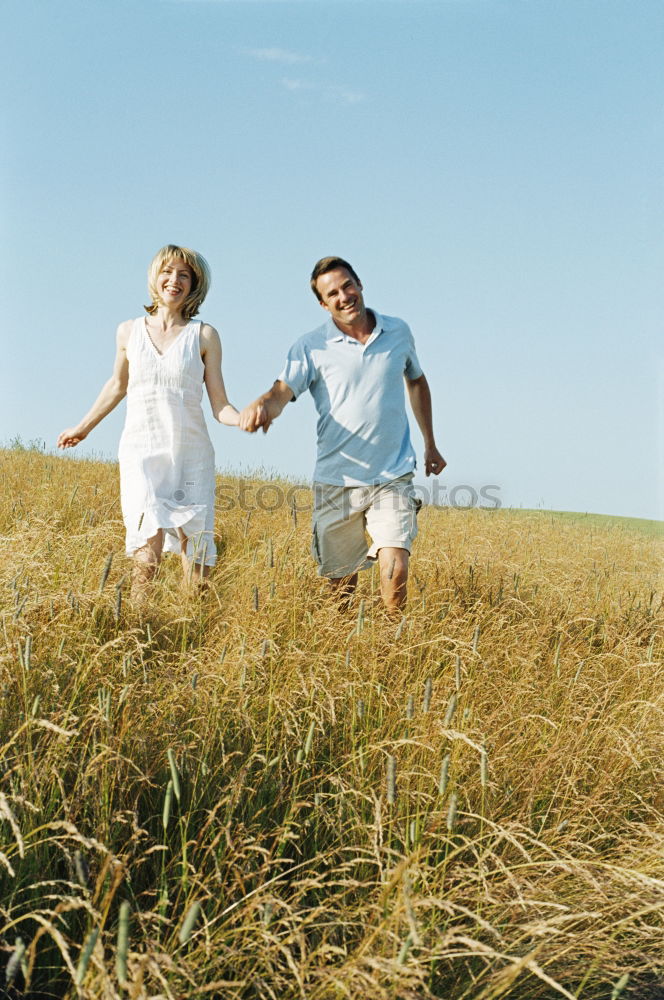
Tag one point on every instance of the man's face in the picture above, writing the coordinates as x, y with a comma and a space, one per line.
341, 295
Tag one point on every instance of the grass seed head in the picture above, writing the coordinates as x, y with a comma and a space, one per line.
175, 775
428, 690
360, 618
189, 922
405, 949
82, 868
123, 942
444, 775
15, 961
484, 769
106, 570
452, 813
86, 955
19, 608
168, 802
308, 743
619, 986
391, 779
451, 709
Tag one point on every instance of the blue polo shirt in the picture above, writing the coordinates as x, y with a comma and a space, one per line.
358, 389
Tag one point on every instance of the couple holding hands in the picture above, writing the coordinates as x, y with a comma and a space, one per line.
354, 365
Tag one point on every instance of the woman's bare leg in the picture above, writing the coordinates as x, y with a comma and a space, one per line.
195, 574
146, 563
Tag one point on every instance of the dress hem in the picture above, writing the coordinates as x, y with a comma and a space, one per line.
167, 516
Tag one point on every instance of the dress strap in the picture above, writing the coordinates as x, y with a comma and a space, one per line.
196, 327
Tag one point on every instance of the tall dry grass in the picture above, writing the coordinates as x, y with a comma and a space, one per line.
255, 795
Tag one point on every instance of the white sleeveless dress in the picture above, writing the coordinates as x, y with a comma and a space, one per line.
166, 456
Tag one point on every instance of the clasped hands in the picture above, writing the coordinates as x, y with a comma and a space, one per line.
254, 416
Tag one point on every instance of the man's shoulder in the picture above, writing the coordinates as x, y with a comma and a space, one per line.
310, 341
393, 324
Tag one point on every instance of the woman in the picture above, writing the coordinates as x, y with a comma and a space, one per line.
166, 456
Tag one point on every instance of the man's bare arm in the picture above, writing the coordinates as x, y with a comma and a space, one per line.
420, 400
266, 408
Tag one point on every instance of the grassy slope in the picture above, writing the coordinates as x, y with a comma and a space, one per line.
522, 854
605, 522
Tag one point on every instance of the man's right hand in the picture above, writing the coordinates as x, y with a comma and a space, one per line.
254, 416
266, 408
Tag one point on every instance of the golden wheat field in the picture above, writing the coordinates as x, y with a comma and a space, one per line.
255, 794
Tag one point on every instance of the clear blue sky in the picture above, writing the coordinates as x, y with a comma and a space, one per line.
492, 168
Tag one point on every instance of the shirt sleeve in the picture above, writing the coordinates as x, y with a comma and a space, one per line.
412, 368
298, 372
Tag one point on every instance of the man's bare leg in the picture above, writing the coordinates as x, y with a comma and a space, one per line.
146, 563
343, 588
393, 576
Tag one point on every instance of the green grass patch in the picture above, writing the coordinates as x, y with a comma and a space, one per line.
641, 525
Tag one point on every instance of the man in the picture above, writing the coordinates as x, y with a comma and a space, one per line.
354, 365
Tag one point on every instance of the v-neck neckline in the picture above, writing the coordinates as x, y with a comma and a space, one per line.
170, 346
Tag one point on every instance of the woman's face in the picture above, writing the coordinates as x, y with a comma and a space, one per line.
174, 283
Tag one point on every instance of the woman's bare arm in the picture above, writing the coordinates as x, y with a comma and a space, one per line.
223, 411
111, 394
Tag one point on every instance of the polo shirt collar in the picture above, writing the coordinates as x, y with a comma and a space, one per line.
335, 334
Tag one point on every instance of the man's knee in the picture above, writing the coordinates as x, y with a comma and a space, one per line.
394, 564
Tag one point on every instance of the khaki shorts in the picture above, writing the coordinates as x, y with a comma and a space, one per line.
342, 515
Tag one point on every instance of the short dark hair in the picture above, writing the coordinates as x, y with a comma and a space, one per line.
326, 264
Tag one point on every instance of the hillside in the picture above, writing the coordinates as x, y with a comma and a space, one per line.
257, 795
606, 522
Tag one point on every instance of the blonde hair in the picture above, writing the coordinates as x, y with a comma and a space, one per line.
200, 271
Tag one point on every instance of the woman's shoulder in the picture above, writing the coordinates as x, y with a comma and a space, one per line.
208, 332
124, 329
